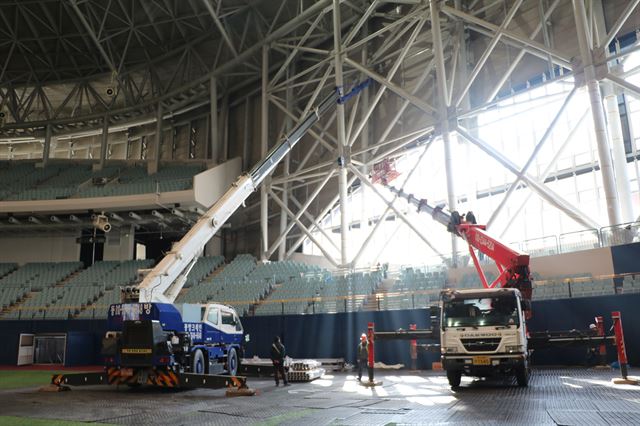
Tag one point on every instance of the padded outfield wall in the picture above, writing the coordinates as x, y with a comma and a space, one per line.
336, 335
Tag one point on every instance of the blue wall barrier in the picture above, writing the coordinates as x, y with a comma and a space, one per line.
626, 258
337, 335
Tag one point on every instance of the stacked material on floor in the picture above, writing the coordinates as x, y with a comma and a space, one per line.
332, 364
304, 370
304, 364
300, 370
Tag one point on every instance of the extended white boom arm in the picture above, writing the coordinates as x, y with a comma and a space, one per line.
164, 282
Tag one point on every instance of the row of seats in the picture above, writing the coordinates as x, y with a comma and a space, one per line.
63, 290
203, 267
388, 302
631, 284
99, 308
298, 284
5, 268
347, 293
36, 276
229, 286
415, 279
25, 181
574, 285
470, 281
319, 292
59, 300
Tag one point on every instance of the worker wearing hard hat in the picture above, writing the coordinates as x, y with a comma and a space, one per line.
363, 354
593, 350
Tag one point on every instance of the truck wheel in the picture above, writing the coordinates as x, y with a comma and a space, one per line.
454, 377
198, 365
522, 376
232, 362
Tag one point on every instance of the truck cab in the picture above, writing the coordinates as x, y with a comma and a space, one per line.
483, 333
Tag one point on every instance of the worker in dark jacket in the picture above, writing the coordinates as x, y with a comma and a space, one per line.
363, 354
278, 353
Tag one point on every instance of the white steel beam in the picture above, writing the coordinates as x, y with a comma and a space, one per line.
92, 35
303, 228
547, 171
514, 63
487, 52
153, 158
629, 88
302, 210
341, 130
213, 119
282, 248
328, 206
419, 103
220, 26
264, 145
533, 46
624, 16
46, 149
544, 192
394, 68
398, 213
104, 140
443, 117
382, 218
532, 157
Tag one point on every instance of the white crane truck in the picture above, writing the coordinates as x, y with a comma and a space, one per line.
483, 331
153, 341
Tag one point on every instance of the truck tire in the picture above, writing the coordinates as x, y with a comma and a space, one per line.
454, 377
198, 363
232, 362
522, 376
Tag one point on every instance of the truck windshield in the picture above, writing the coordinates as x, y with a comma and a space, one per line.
488, 311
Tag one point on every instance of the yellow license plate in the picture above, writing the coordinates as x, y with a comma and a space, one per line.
136, 351
481, 360
126, 372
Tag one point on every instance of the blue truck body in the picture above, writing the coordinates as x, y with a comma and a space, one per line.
172, 341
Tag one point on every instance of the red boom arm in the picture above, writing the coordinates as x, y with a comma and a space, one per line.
512, 265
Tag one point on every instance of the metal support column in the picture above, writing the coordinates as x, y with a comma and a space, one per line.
213, 99
46, 150
618, 151
597, 110
462, 74
154, 158
443, 117
365, 195
246, 136
264, 141
282, 248
224, 131
343, 159
103, 142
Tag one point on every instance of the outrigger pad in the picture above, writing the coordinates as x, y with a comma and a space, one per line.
240, 392
54, 388
627, 381
372, 384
